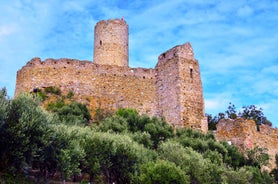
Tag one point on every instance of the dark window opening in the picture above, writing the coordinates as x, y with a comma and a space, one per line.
258, 128
191, 73
163, 55
36, 90
65, 67
144, 77
100, 42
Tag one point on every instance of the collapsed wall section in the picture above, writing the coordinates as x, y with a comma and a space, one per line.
245, 135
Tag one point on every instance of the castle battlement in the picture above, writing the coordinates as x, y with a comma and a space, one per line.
173, 89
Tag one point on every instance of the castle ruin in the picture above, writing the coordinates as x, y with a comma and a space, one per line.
173, 89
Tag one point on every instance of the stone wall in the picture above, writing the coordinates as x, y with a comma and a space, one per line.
244, 134
108, 87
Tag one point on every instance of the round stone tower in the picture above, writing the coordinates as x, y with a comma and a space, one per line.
111, 43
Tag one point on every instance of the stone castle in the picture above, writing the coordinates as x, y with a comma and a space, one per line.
173, 89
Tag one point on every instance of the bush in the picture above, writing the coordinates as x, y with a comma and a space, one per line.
52, 90
162, 172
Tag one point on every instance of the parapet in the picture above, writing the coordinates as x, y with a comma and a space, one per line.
104, 23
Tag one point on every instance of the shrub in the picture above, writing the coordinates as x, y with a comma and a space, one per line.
162, 172
52, 90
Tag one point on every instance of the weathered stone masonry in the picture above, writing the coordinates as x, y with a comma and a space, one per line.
173, 89
245, 135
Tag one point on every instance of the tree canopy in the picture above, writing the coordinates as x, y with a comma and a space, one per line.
124, 147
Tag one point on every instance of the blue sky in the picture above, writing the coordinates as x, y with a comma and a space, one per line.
236, 42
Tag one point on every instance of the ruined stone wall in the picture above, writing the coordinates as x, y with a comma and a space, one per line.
101, 86
244, 134
180, 88
111, 43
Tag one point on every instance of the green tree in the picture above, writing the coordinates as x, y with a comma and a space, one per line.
212, 121
73, 113
159, 130
162, 172
257, 157
4, 108
113, 124
254, 113
199, 169
69, 159
24, 131
231, 111
274, 172
114, 156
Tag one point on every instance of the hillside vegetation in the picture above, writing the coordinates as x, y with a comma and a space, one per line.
61, 143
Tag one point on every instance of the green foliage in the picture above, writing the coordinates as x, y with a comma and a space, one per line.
274, 172
70, 94
202, 143
40, 94
116, 157
252, 112
233, 157
69, 159
162, 172
143, 138
248, 112
257, 157
159, 130
123, 148
114, 124
100, 115
199, 169
8, 178
4, 109
53, 90
23, 132
231, 111
247, 174
72, 113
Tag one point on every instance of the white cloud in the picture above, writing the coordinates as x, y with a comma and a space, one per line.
7, 30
